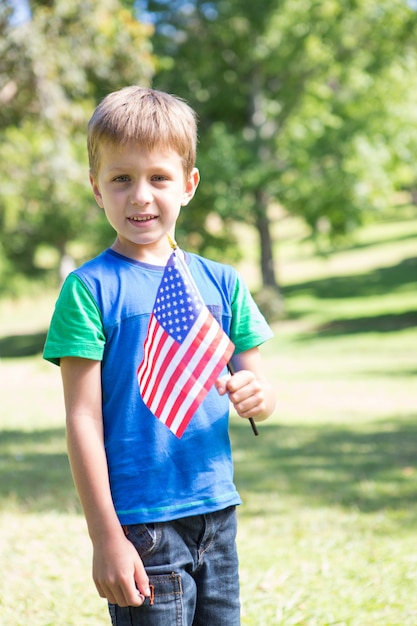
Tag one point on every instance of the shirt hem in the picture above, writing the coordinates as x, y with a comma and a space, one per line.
169, 513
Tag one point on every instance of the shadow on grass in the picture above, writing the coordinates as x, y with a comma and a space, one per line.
15, 346
377, 282
384, 323
402, 372
372, 284
369, 468
34, 471
369, 243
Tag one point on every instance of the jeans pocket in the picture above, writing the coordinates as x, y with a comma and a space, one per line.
164, 608
166, 587
145, 537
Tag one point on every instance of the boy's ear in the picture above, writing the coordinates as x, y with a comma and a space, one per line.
96, 191
190, 187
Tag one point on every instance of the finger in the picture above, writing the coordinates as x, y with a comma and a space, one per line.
141, 577
142, 584
222, 383
131, 597
123, 594
239, 380
249, 389
251, 405
114, 595
252, 411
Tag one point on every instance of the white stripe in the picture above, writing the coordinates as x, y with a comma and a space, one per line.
150, 346
147, 348
152, 372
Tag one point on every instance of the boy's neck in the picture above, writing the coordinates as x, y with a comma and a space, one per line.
157, 253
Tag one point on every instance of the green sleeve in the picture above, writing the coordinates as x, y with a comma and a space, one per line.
76, 328
249, 328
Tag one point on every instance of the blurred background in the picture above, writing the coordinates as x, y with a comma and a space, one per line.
306, 108
307, 152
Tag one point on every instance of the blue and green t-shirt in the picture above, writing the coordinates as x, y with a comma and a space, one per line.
102, 314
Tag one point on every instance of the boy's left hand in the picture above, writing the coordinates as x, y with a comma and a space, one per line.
246, 393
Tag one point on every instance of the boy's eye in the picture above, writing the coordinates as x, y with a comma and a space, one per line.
122, 179
158, 178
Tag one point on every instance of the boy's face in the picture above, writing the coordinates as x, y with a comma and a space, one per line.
142, 193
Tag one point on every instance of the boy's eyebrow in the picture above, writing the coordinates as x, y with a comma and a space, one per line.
160, 167
117, 168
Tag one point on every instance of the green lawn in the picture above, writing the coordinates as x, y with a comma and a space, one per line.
327, 528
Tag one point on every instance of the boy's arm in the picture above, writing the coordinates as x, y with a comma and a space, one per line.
249, 390
118, 571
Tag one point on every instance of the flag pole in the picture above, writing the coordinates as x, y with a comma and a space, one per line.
251, 420
230, 367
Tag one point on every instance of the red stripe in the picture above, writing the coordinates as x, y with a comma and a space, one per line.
183, 365
207, 385
143, 367
161, 365
194, 376
149, 366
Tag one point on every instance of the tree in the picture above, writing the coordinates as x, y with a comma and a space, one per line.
300, 102
53, 71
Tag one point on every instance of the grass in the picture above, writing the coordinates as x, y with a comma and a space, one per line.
328, 525
327, 529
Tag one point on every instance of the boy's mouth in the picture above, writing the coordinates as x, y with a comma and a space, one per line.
142, 218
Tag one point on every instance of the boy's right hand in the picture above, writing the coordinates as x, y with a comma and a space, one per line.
118, 572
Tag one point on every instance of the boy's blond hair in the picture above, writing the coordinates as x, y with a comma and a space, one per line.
153, 119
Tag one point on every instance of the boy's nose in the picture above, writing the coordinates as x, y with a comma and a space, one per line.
141, 194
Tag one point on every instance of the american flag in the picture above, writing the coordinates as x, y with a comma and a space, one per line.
184, 352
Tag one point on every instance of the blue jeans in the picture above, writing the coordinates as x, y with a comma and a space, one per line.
192, 564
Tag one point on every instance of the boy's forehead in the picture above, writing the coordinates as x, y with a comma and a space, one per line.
134, 146
116, 152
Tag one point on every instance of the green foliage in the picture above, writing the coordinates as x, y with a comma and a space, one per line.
304, 103
53, 71
308, 104
44, 199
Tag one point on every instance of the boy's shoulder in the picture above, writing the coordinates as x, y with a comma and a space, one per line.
104, 260
209, 265
110, 275
215, 279
109, 262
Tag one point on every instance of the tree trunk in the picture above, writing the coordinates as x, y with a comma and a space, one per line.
269, 299
265, 241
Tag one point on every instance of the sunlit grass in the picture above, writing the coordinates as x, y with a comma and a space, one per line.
327, 527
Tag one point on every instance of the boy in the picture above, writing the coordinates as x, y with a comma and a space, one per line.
160, 510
